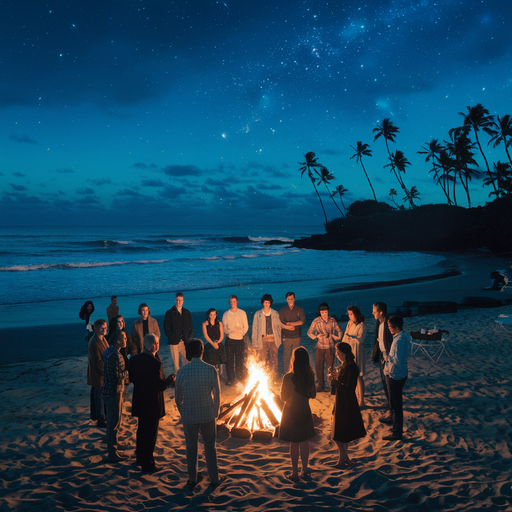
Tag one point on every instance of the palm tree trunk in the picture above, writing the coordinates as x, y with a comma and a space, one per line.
319, 198
486, 163
369, 182
329, 194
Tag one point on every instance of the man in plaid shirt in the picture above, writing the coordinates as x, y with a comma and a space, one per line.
112, 391
326, 331
198, 400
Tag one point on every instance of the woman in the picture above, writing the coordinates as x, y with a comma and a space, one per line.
85, 314
355, 334
297, 422
347, 422
117, 324
213, 332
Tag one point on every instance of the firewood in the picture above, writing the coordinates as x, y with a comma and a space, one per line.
248, 410
269, 413
231, 407
241, 433
259, 435
245, 405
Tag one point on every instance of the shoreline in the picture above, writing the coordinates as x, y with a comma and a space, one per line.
53, 329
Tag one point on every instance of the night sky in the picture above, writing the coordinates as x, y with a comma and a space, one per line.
161, 112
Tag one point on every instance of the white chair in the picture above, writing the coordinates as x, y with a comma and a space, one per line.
431, 348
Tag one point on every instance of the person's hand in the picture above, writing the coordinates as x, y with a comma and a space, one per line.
215, 345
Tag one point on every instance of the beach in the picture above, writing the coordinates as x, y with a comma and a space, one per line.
455, 454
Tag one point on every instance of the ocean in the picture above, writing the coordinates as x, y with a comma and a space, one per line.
40, 264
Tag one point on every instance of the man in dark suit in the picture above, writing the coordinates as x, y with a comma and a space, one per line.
382, 344
146, 373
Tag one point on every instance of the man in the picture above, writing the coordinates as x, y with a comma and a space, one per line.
198, 400
326, 331
112, 391
145, 324
95, 348
149, 382
179, 329
381, 346
235, 326
292, 317
113, 309
266, 333
396, 374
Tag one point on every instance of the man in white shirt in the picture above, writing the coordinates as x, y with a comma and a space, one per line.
235, 327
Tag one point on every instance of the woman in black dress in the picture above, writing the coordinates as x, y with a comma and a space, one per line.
213, 332
297, 422
347, 422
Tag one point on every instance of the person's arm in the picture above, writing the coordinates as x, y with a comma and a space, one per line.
216, 393
225, 321
312, 332
245, 322
284, 324
191, 326
255, 341
335, 330
207, 338
178, 392
286, 387
96, 357
221, 332
168, 325
135, 342
156, 329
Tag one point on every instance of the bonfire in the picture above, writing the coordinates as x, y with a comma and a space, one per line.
257, 412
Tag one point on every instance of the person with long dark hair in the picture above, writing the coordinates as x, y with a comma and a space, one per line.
85, 314
117, 324
347, 422
213, 332
355, 334
297, 421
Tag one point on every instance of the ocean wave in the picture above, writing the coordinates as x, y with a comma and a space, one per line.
102, 243
68, 266
267, 239
249, 256
184, 241
209, 258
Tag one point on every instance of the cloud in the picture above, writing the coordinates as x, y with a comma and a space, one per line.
182, 170
85, 191
19, 174
152, 183
22, 139
170, 191
18, 188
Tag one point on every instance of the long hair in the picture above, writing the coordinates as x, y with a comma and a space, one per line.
357, 314
117, 335
216, 316
84, 313
347, 350
303, 374
112, 326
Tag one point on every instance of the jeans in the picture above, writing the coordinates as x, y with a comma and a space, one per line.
177, 351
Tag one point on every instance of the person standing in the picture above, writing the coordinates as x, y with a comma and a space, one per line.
326, 331
198, 401
347, 424
85, 314
354, 335
297, 421
292, 317
113, 308
266, 333
149, 382
213, 332
179, 329
145, 324
235, 326
95, 348
381, 346
112, 391
396, 372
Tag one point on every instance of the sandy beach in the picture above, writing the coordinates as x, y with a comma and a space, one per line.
455, 455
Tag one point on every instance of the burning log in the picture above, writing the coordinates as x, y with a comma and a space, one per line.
268, 411
241, 433
225, 412
277, 399
242, 420
262, 434
245, 405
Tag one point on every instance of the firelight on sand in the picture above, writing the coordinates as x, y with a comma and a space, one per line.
255, 412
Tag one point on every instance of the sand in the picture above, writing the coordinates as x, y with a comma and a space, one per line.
455, 454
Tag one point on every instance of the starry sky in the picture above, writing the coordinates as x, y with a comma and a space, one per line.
198, 112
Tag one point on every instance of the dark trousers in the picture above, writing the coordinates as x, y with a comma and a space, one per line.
395, 402
114, 419
97, 404
209, 434
235, 359
384, 382
147, 432
323, 356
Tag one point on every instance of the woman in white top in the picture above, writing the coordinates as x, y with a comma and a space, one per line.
355, 333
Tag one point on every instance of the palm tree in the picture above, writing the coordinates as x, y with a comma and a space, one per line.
392, 193
388, 130
500, 130
460, 149
398, 162
447, 163
433, 149
311, 165
411, 195
360, 151
476, 118
341, 191
325, 177
503, 176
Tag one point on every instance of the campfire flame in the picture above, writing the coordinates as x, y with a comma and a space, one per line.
255, 410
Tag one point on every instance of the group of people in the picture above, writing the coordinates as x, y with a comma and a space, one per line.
119, 357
